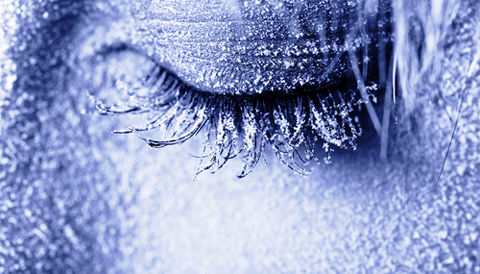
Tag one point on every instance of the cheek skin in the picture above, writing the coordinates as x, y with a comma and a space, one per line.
275, 220
93, 207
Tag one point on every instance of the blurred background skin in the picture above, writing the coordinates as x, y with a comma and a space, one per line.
76, 199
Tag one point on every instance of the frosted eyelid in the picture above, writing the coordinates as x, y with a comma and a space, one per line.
250, 47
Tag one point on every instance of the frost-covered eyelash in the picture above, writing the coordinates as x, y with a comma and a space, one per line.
290, 124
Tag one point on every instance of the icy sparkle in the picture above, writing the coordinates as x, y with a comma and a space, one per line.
250, 47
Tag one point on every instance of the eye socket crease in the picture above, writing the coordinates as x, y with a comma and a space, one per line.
291, 124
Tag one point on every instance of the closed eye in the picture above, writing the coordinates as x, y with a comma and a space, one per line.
290, 122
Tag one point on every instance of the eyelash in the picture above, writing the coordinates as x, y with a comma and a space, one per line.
290, 124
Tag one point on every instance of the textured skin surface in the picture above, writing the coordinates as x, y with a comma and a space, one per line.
76, 199
249, 47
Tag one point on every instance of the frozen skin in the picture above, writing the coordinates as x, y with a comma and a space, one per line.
76, 199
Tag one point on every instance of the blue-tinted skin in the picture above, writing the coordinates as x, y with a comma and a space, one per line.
76, 199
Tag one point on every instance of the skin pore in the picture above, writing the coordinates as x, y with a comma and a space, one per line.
77, 199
